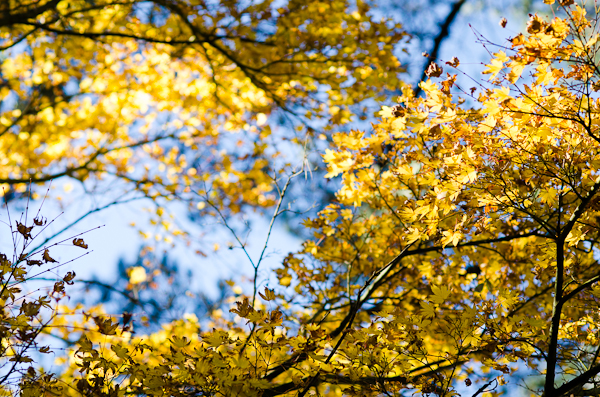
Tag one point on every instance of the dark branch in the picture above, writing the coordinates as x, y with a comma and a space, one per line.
439, 39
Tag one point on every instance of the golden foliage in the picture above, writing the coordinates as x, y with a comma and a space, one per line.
461, 248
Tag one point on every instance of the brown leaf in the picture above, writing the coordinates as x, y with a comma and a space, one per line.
398, 111
80, 243
106, 326
47, 258
243, 308
24, 230
269, 294
503, 22
68, 278
317, 333
275, 317
32, 262
448, 84
21, 359
517, 40
534, 25
126, 318
454, 62
30, 309
41, 221
566, 3
59, 287
434, 70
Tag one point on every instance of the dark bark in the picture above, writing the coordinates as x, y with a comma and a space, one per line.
443, 34
7, 17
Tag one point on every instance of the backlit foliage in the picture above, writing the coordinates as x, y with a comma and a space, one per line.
460, 253
32, 288
171, 98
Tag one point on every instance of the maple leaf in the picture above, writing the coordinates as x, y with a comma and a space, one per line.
243, 308
434, 70
454, 62
80, 243
59, 287
68, 278
32, 262
494, 68
451, 237
105, 325
275, 317
47, 258
398, 111
121, 351
24, 230
40, 221
448, 84
269, 294
180, 342
21, 359
428, 309
534, 25
440, 294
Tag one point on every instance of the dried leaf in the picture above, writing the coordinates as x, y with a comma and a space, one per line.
106, 326
448, 84
32, 262
126, 318
80, 243
534, 25
21, 359
24, 230
41, 221
243, 308
269, 294
68, 278
275, 317
434, 70
47, 258
59, 287
454, 62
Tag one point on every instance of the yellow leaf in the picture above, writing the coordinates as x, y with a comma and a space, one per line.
451, 237
137, 275
440, 294
285, 280
428, 309
269, 294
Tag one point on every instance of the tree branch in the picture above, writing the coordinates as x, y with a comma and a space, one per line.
442, 35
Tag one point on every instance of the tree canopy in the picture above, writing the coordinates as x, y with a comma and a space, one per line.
458, 256
168, 96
